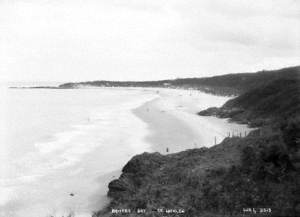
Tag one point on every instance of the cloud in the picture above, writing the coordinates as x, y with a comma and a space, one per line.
143, 39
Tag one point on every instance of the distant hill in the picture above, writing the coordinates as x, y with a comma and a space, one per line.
230, 84
278, 99
243, 82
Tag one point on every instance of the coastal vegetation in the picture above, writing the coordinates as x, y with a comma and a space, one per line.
256, 172
257, 175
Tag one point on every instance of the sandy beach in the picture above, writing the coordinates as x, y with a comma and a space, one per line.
174, 125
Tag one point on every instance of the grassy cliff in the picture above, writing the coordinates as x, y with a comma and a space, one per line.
252, 172
269, 103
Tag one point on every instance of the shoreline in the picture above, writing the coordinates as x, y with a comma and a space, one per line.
174, 125
79, 155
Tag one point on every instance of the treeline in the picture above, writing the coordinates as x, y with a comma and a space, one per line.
230, 84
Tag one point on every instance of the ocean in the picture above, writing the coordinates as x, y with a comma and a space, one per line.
59, 148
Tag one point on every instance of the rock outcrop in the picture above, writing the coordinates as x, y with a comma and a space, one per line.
136, 170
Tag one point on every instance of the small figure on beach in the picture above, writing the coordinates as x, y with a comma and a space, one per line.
72, 194
167, 150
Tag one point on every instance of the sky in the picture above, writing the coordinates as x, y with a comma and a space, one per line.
80, 40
